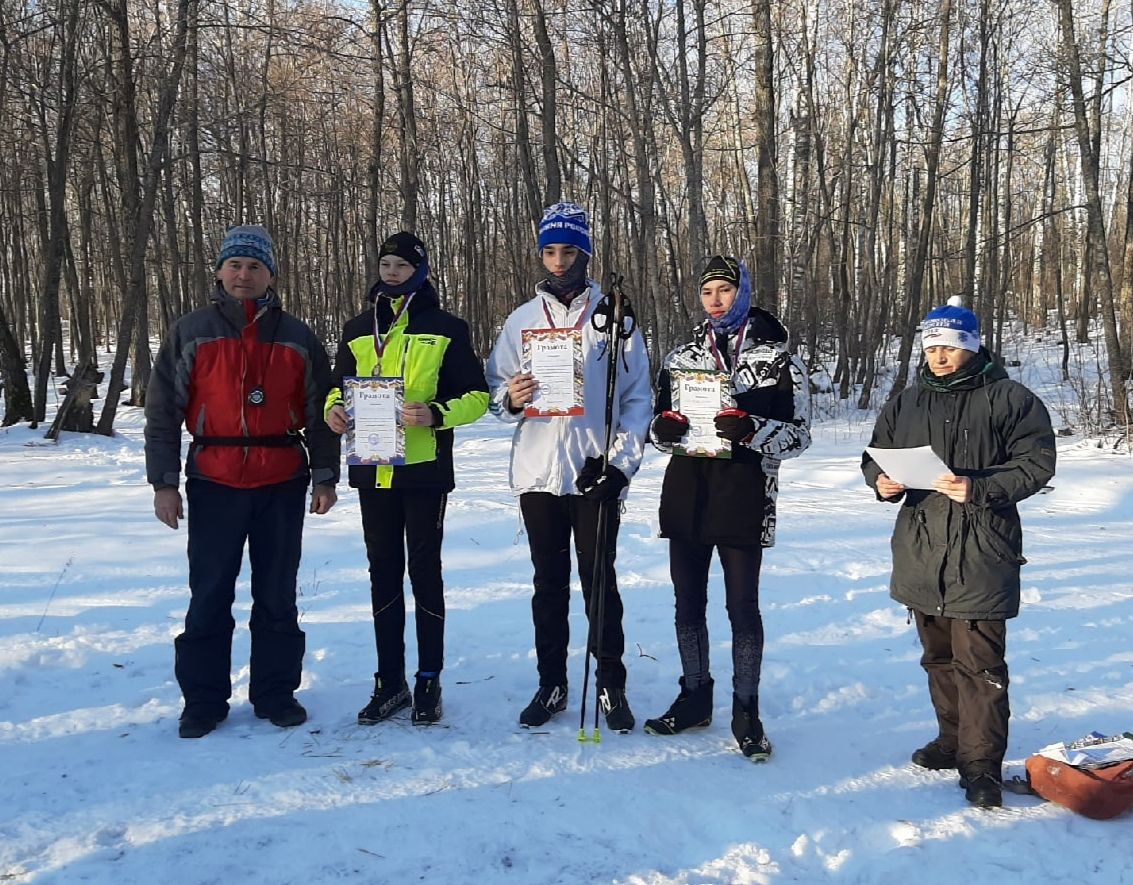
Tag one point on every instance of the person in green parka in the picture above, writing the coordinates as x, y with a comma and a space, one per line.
958, 547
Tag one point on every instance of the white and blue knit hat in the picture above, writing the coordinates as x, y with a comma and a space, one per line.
566, 224
952, 325
248, 241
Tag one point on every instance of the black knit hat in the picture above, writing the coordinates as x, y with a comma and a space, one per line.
405, 246
721, 267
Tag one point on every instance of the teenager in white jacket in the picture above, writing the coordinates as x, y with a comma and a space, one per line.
556, 463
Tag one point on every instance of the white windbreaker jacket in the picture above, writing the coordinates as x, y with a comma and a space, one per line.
547, 453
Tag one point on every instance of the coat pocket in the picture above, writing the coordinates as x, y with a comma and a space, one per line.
1001, 537
912, 542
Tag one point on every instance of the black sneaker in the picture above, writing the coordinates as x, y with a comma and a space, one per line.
748, 732
426, 701
691, 709
387, 700
286, 715
548, 700
982, 787
935, 756
615, 707
195, 725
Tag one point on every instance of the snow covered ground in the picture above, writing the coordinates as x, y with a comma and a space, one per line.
97, 787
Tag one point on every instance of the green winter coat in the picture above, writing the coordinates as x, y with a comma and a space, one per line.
962, 560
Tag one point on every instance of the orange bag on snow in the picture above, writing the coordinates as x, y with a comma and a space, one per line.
1100, 793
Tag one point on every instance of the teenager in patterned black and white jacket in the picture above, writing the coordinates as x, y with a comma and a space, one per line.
727, 503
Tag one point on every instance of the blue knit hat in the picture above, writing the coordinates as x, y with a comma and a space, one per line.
952, 325
248, 241
565, 224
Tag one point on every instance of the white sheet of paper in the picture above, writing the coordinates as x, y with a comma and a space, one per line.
699, 396
915, 468
377, 437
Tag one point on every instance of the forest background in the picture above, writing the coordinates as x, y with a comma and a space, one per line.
869, 158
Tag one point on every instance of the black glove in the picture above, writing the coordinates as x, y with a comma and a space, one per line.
591, 470
735, 425
669, 427
599, 485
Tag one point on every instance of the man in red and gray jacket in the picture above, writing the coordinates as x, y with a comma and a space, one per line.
248, 380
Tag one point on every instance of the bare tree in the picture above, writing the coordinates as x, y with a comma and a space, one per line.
139, 186
913, 294
1097, 251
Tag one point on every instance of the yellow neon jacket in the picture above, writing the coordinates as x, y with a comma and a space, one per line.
432, 350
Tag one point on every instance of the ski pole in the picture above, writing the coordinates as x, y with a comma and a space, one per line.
616, 320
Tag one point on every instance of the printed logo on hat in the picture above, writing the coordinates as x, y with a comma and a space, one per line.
951, 325
567, 224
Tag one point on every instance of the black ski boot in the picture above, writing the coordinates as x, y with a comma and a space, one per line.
983, 784
616, 709
388, 698
935, 756
691, 709
748, 731
426, 700
197, 725
548, 701
286, 715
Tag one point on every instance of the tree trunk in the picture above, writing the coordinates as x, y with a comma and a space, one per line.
410, 176
1097, 251
924, 233
767, 246
554, 192
57, 161
139, 194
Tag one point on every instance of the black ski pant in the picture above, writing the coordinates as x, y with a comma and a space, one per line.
689, 562
967, 681
221, 519
550, 521
403, 526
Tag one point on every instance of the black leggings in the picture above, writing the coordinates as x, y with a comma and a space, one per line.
689, 562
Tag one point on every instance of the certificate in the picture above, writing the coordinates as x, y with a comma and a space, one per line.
374, 435
699, 396
917, 468
554, 357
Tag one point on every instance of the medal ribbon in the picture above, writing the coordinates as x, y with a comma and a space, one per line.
581, 316
716, 353
379, 342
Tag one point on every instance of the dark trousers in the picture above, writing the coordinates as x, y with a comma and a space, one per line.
550, 521
220, 520
967, 681
401, 525
689, 563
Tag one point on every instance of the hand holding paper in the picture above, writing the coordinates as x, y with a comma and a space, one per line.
889, 488
955, 488
917, 468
